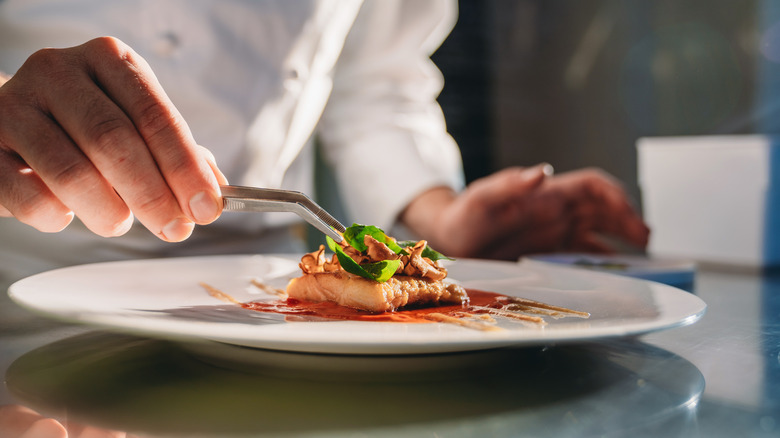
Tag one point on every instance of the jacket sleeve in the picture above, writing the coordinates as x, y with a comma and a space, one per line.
382, 131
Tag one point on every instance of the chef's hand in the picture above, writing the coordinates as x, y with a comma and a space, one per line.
88, 131
21, 422
521, 211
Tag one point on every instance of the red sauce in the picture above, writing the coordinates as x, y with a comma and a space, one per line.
304, 309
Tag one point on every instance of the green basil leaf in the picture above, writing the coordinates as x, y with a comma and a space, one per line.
393, 245
378, 271
355, 235
331, 243
349, 264
427, 252
383, 270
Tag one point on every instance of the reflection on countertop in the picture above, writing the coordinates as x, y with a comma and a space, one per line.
650, 386
154, 387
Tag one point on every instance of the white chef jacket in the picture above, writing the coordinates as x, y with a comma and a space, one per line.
256, 81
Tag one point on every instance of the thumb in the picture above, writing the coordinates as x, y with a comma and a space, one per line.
512, 182
536, 175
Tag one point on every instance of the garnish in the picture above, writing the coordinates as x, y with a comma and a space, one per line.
355, 237
428, 252
381, 270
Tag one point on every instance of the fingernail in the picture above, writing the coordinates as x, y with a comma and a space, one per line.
45, 427
177, 230
123, 227
204, 208
547, 169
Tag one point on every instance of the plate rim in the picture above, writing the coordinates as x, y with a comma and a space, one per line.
357, 346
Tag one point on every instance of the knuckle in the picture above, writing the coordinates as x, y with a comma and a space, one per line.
38, 210
46, 59
53, 67
27, 207
154, 119
9, 110
154, 201
182, 169
49, 68
111, 53
43, 71
107, 45
107, 134
597, 174
75, 174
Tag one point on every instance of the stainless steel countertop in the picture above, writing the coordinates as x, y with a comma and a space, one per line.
717, 378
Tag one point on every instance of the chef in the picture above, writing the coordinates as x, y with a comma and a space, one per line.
120, 120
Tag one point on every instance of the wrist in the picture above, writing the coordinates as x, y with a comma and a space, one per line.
422, 215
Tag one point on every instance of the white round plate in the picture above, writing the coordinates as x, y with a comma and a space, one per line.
164, 298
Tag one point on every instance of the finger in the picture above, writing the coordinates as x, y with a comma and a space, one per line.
508, 184
590, 242
498, 202
532, 240
94, 432
627, 225
613, 213
603, 205
111, 150
45, 427
531, 211
118, 155
18, 421
27, 198
495, 206
212, 162
538, 224
129, 81
67, 174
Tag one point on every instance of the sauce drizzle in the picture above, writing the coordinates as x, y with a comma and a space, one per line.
328, 310
478, 314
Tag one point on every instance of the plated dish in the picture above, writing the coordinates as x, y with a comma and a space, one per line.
164, 298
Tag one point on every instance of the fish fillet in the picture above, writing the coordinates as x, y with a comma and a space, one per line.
346, 289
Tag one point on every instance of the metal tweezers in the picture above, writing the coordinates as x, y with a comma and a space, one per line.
238, 198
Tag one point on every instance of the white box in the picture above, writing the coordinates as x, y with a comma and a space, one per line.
714, 199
